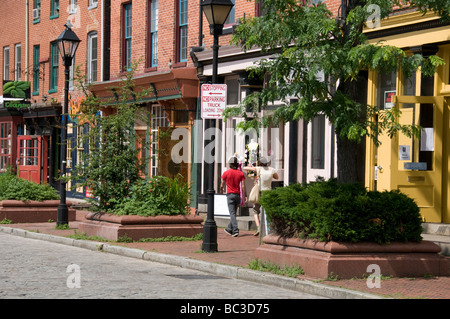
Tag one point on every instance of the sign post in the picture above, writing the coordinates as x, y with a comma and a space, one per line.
214, 100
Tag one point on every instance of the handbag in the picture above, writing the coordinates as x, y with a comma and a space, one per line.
255, 193
253, 197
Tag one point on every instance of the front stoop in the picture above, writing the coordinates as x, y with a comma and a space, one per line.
113, 227
32, 211
350, 260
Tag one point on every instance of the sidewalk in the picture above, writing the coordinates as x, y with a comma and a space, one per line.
238, 252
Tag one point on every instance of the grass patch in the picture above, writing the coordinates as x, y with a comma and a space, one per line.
258, 264
171, 238
6, 221
83, 236
126, 239
62, 227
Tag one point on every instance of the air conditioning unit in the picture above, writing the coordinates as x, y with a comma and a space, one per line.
36, 13
73, 8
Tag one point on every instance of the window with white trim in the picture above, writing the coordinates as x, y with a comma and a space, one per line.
18, 62
92, 57
6, 63
154, 16
127, 25
159, 119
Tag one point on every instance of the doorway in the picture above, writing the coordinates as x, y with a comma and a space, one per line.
418, 167
32, 158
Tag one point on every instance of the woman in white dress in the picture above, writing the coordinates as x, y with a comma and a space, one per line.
264, 174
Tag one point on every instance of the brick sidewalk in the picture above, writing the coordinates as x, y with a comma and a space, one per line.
239, 251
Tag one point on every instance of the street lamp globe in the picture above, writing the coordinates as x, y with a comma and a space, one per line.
68, 43
216, 12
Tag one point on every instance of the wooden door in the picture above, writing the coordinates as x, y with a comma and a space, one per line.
418, 167
29, 158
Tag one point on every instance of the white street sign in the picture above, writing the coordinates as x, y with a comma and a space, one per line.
214, 100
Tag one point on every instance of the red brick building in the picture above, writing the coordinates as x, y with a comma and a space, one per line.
30, 132
171, 44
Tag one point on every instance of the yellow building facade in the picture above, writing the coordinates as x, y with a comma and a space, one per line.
419, 167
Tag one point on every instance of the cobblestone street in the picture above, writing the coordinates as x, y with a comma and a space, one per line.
39, 269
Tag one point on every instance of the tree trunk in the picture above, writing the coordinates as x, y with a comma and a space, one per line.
347, 150
347, 164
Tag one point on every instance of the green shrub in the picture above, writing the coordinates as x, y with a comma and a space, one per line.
13, 187
158, 196
327, 210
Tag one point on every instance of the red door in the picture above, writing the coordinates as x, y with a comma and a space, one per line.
29, 158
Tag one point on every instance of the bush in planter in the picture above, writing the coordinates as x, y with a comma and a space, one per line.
327, 210
13, 187
158, 196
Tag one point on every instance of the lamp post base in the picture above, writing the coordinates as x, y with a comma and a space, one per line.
209, 236
62, 215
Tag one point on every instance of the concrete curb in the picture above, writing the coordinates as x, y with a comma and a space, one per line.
212, 268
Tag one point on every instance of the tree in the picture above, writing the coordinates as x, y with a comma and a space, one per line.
320, 60
112, 166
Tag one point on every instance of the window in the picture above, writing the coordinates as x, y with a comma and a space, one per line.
5, 145
92, 57
18, 63
54, 9
72, 75
232, 91
127, 23
409, 88
386, 88
153, 34
81, 131
230, 18
183, 22
260, 10
36, 11
29, 151
54, 67
318, 142
93, 4
73, 4
6, 63
36, 54
159, 119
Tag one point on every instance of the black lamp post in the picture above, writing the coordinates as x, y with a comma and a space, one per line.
67, 44
216, 12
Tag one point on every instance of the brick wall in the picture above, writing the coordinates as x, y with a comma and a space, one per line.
89, 19
140, 27
12, 29
247, 8
84, 21
42, 32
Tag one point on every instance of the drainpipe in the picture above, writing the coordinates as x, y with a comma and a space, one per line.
200, 25
101, 38
26, 38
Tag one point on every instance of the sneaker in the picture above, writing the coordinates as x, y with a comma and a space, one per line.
235, 234
227, 231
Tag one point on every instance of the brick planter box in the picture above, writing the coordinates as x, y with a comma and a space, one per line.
113, 227
32, 211
349, 260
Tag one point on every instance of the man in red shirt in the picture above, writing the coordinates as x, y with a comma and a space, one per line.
233, 179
